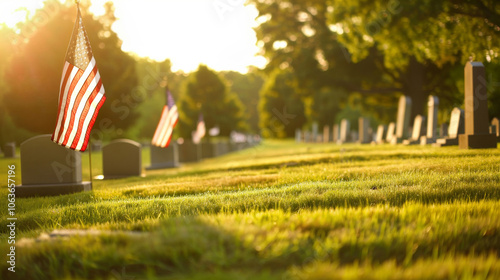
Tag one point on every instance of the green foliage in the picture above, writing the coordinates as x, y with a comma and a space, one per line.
247, 87
281, 108
380, 49
152, 78
34, 73
206, 92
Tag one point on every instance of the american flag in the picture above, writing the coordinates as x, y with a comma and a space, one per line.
200, 130
81, 93
168, 120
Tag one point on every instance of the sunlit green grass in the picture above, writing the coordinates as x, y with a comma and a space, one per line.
276, 211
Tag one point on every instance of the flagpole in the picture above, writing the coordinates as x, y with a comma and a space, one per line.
90, 163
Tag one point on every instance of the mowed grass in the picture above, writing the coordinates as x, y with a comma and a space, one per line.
280, 210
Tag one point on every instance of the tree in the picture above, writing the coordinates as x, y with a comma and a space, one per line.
34, 72
281, 108
247, 87
377, 48
206, 92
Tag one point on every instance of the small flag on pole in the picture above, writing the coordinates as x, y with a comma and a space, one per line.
81, 93
168, 120
200, 130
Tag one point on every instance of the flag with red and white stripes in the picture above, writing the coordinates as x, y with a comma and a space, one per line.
168, 120
81, 92
200, 130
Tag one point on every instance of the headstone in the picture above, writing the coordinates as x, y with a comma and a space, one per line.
207, 149
379, 139
443, 130
298, 136
326, 134
164, 157
315, 132
9, 150
363, 128
403, 120
418, 131
191, 152
96, 146
477, 134
345, 130
48, 169
307, 136
121, 158
221, 148
390, 132
495, 128
432, 113
456, 127
335, 133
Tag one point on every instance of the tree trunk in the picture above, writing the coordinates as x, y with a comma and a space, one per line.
414, 87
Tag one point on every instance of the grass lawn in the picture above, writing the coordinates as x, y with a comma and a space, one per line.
280, 210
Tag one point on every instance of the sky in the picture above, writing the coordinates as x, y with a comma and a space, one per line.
217, 33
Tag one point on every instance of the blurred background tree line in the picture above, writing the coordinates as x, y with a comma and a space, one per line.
327, 60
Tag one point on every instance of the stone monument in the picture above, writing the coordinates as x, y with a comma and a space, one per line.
363, 128
456, 127
418, 131
390, 132
403, 120
48, 169
432, 114
477, 134
9, 150
121, 158
164, 157
345, 130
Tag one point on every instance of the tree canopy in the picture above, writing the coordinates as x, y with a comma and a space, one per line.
34, 72
206, 92
379, 49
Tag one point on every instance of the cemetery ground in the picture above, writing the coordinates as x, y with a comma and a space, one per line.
280, 210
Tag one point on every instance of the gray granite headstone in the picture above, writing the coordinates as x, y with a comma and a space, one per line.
191, 152
391, 130
315, 132
363, 128
379, 139
207, 149
9, 150
477, 134
432, 114
455, 128
221, 148
418, 131
164, 157
403, 120
298, 136
121, 158
48, 169
345, 130
96, 146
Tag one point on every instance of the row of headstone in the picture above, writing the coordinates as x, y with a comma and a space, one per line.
468, 129
49, 169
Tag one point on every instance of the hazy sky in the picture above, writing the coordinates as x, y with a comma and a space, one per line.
217, 33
